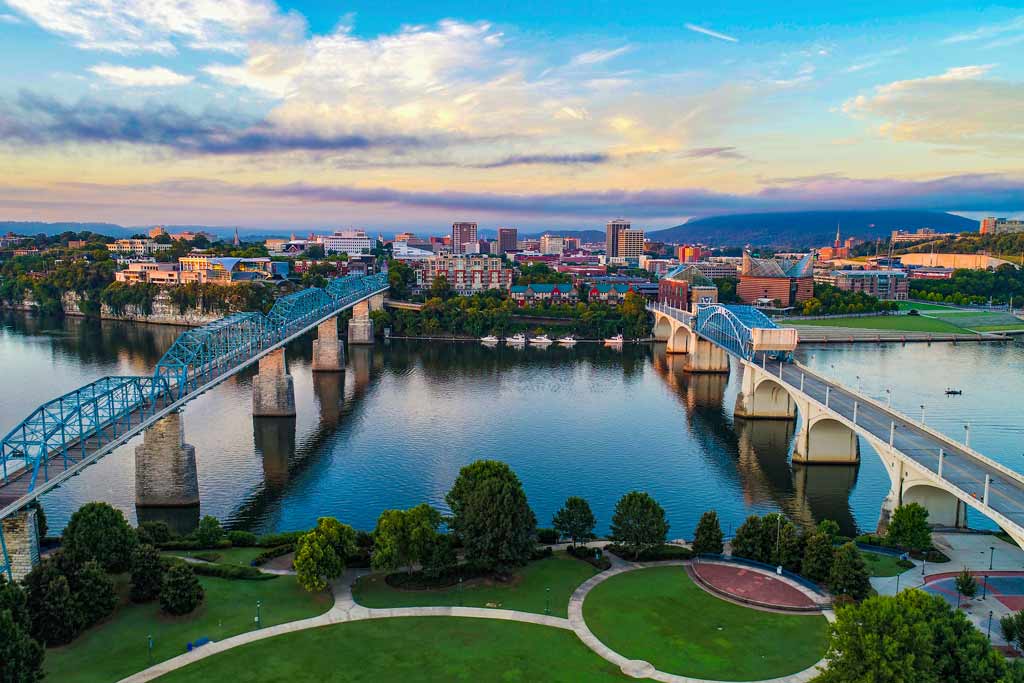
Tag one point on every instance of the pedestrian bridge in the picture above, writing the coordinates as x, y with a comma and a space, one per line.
925, 466
65, 435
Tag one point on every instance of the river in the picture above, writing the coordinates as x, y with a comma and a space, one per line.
394, 429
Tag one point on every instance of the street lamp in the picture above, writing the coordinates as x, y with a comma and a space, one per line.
990, 625
259, 603
922, 413
888, 398
967, 435
150, 644
547, 600
991, 556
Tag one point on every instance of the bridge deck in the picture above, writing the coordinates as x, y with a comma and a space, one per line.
961, 467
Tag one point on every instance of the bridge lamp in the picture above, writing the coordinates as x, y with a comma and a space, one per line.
888, 398
991, 556
967, 435
922, 413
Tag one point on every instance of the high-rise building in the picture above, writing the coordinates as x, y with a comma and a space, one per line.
611, 236
347, 241
462, 234
690, 253
1000, 226
572, 243
551, 244
631, 244
508, 239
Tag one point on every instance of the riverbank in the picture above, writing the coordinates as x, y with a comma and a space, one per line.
164, 312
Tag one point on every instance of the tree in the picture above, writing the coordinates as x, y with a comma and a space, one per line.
781, 542
94, 592
492, 516
909, 528
99, 532
639, 522
912, 637
153, 533
707, 537
54, 615
1013, 628
747, 541
21, 656
440, 288
147, 574
209, 533
401, 278
404, 537
819, 554
849, 574
828, 527
181, 591
575, 520
321, 553
966, 585
441, 556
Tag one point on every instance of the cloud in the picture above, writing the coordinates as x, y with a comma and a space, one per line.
960, 107
153, 77
720, 152
597, 56
550, 159
43, 120
989, 32
713, 34
132, 26
9, 19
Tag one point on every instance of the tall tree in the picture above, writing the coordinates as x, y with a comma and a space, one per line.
322, 552
147, 574
849, 575
54, 613
404, 537
639, 522
181, 591
747, 540
707, 537
21, 656
99, 532
909, 528
819, 554
575, 520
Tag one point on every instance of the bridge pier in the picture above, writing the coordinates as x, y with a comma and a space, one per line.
823, 440
273, 390
704, 356
21, 538
360, 326
165, 466
328, 351
763, 398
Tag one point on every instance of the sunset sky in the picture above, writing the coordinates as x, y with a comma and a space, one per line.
407, 114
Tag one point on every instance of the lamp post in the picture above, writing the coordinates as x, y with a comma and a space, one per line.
888, 398
984, 586
991, 556
898, 584
547, 600
149, 640
967, 435
922, 413
460, 591
990, 625
259, 604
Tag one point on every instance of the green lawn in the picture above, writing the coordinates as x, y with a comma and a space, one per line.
661, 616
408, 649
117, 647
526, 592
924, 306
881, 565
902, 323
242, 556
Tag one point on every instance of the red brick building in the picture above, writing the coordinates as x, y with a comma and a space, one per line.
771, 280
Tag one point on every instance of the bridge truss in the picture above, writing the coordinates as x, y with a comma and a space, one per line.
78, 427
735, 328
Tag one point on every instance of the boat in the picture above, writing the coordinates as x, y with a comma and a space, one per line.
490, 339
614, 341
542, 340
954, 392
517, 339
567, 341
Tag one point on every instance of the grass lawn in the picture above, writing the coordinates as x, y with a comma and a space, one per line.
526, 592
242, 556
924, 306
881, 565
116, 647
408, 649
661, 616
901, 323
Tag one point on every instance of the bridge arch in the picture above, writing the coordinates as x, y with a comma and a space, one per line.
679, 339
662, 327
772, 400
944, 509
826, 440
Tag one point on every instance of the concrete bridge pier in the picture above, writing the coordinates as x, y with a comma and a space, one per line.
703, 356
360, 326
328, 351
273, 390
823, 440
165, 466
21, 537
761, 397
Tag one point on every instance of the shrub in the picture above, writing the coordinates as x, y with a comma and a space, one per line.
547, 536
593, 556
154, 533
819, 555
209, 534
147, 574
93, 592
909, 528
1013, 628
905, 564
181, 592
575, 520
193, 544
541, 553
54, 616
229, 571
242, 539
656, 554
21, 656
271, 553
99, 532
707, 537
278, 539
638, 522
966, 585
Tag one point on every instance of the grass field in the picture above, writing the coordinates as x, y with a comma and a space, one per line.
117, 647
242, 556
924, 306
899, 323
982, 321
661, 616
408, 649
881, 565
526, 592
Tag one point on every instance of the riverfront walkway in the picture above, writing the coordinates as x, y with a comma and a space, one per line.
345, 609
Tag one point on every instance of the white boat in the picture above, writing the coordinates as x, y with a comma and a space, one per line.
517, 339
542, 340
567, 341
490, 339
614, 341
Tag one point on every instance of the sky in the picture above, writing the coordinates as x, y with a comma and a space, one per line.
401, 114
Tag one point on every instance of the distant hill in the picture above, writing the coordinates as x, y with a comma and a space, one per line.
583, 235
807, 228
36, 227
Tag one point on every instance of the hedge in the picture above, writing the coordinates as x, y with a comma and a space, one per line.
664, 552
271, 553
223, 571
592, 556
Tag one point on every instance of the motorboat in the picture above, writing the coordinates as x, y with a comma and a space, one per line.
517, 339
489, 339
954, 392
541, 340
567, 341
614, 341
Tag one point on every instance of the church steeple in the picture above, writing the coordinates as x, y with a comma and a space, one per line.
836, 245
238, 242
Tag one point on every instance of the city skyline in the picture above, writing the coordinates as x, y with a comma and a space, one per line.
280, 115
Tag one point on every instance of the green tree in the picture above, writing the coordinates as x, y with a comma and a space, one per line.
441, 557
209, 533
966, 585
54, 615
99, 532
1013, 628
401, 279
321, 553
94, 592
819, 554
491, 515
781, 543
440, 288
849, 575
909, 528
147, 574
153, 533
747, 542
575, 520
707, 537
404, 537
21, 656
639, 522
181, 591
829, 528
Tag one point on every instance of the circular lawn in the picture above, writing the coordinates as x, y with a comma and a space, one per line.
659, 615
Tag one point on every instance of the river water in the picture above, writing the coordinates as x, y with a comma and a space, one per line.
394, 429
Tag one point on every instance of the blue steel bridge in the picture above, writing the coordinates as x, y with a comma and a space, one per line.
63, 436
